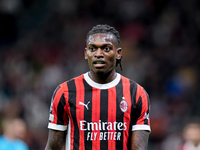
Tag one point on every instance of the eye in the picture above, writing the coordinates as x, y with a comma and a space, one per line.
107, 49
91, 48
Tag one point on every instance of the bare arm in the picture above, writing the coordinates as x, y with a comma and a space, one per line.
139, 140
56, 140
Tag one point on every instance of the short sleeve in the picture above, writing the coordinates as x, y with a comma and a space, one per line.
58, 119
141, 110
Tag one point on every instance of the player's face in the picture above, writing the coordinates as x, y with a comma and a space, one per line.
102, 52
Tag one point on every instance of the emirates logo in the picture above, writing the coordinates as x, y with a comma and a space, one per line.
123, 105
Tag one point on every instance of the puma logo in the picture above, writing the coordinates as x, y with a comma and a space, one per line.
86, 105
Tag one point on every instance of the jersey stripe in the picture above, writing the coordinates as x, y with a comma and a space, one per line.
80, 111
119, 113
142, 102
60, 110
72, 104
135, 110
87, 112
127, 97
111, 114
147, 120
56, 101
133, 89
70, 128
103, 116
54, 93
96, 116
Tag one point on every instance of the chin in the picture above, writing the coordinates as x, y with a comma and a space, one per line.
102, 71
99, 72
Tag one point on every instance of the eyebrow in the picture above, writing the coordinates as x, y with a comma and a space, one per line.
103, 45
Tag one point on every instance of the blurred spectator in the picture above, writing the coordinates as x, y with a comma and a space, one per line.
14, 131
191, 135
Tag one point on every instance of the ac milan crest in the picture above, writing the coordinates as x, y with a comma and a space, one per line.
123, 105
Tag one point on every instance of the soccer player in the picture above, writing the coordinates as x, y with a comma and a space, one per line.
100, 109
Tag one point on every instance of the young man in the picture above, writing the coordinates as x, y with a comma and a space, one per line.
101, 109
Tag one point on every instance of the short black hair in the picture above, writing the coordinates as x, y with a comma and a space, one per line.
104, 29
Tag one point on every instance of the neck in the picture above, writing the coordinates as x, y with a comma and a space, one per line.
102, 77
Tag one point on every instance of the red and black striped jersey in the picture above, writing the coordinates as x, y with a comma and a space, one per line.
99, 116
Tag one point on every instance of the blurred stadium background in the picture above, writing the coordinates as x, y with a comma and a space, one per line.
42, 44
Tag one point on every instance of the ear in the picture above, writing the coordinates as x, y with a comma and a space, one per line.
119, 53
86, 53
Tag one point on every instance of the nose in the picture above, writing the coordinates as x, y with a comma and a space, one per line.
99, 53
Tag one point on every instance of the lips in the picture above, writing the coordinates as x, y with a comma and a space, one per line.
99, 63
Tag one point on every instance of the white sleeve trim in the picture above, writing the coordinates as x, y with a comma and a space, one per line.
141, 127
57, 127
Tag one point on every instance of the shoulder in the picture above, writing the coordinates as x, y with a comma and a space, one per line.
2, 139
140, 88
21, 145
133, 84
3, 143
135, 87
69, 83
127, 80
